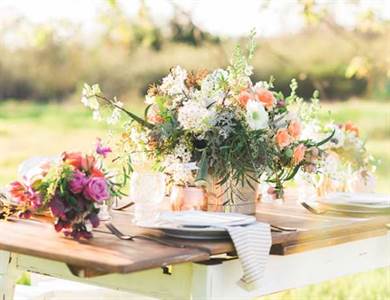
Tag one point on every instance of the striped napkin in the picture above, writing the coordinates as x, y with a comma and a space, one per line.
252, 243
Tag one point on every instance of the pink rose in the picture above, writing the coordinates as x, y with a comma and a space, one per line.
78, 182
96, 189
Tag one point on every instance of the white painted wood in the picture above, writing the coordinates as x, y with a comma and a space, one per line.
298, 270
8, 275
47, 288
203, 282
152, 283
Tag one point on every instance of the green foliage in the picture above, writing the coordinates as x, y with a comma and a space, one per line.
24, 279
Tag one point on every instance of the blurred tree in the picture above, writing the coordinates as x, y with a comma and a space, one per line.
184, 30
368, 63
123, 31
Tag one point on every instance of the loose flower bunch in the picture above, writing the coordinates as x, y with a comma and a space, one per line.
220, 125
72, 189
346, 164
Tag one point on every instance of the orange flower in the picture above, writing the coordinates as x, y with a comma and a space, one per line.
95, 172
349, 126
88, 163
18, 191
299, 154
295, 129
265, 97
244, 97
73, 158
283, 139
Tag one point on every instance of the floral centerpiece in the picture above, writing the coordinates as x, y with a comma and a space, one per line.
346, 166
218, 129
71, 189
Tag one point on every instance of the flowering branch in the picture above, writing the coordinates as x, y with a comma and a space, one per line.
136, 118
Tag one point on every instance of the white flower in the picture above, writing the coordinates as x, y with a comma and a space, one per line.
256, 115
248, 71
282, 120
115, 116
150, 99
174, 83
262, 85
338, 138
96, 115
175, 101
195, 117
311, 131
89, 96
179, 165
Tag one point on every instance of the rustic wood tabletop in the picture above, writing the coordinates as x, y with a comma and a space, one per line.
37, 238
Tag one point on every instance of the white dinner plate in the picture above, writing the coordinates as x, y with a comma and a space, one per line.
204, 219
356, 203
198, 225
369, 199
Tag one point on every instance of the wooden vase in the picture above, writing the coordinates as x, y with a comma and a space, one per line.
237, 199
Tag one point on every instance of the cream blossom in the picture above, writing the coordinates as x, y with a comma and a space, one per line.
338, 138
256, 115
195, 117
174, 83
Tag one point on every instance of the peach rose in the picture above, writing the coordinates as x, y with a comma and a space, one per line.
154, 115
299, 154
265, 97
350, 127
283, 139
156, 119
244, 97
295, 129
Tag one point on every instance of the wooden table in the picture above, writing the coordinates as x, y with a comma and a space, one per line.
324, 247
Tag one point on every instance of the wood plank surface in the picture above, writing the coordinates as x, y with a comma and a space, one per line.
107, 254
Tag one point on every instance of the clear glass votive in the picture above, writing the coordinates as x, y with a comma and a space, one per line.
147, 190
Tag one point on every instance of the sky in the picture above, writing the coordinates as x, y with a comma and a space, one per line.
224, 17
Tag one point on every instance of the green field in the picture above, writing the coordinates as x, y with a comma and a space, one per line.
30, 129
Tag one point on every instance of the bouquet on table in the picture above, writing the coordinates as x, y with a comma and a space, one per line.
71, 189
217, 130
347, 166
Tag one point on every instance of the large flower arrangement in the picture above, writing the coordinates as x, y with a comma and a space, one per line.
219, 124
72, 189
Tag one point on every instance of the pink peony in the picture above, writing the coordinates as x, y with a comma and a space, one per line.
78, 182
96, 189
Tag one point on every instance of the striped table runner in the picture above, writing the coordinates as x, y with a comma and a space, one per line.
252, 243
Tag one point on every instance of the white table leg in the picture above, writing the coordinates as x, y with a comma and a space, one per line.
8, 275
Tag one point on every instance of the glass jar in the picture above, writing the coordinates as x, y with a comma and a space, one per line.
147, 190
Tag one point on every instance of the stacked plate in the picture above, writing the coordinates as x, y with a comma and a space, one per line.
198, 224
357, 203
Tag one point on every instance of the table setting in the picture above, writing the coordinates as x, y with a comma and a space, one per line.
208, 163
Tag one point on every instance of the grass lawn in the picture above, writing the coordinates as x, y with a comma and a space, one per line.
29, 129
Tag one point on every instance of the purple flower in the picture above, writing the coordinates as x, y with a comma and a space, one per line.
96, 190
94, 219
57, 208
78, 182
101, 150
34, 197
